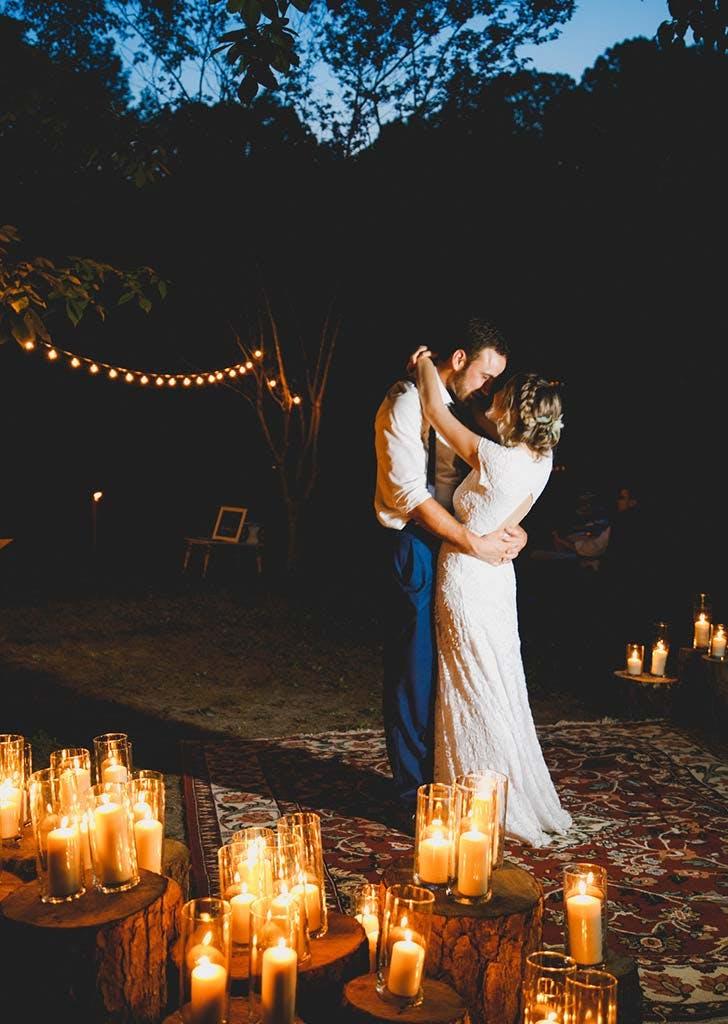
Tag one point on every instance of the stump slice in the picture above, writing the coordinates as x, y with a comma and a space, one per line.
481, 950
102, 958
441, 1004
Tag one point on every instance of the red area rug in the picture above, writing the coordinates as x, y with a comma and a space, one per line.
646, 801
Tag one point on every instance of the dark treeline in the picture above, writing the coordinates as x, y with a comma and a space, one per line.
587, 219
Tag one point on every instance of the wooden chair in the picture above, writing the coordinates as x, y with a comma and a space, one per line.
232, 532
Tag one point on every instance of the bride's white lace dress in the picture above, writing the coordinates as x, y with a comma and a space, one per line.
482, 715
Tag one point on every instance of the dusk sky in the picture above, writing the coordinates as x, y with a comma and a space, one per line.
597, 25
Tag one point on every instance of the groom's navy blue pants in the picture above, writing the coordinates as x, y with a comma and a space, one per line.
410, 663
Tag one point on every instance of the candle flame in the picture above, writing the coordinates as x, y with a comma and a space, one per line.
581, 887
404, 922
64, 822
206, 939
408, 936
236, 878
281, 943
590, 878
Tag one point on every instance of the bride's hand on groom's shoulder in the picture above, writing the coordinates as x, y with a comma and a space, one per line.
421, 350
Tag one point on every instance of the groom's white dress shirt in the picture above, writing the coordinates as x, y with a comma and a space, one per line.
401, 441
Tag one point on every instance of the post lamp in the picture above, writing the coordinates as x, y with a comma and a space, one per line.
95, 499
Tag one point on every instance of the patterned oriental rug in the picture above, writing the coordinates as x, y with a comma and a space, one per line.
646, 801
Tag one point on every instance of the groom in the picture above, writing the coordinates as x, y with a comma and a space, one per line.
417, 473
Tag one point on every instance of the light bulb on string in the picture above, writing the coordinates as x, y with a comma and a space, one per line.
113, 374
144, 379
159, 382
75, 362
172, 382
186, 382
199, 380
52, 354
93, 368
129, 377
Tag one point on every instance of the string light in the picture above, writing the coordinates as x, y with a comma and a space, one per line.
171, 380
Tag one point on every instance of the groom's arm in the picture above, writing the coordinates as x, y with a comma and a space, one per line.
402, 462
496, 547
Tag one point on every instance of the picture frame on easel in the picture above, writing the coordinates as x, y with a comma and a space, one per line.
229, 523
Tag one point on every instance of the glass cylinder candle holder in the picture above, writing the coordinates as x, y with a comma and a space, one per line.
491, 777
718, 638
367, 913
591, 996
585, 913
256, 867
58, 839
288, 870
475, 825
12, 776
635, 659
147, 796
311, 885
204, 976
544, 986
246, 874
112, 757
74, 767
27, 772
434, 835
111, 834
702, 619
660, 649
406, 925
273, 961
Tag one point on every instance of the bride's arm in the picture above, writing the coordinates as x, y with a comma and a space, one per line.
458, 436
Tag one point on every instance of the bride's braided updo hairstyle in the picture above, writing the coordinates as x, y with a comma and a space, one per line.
530, 413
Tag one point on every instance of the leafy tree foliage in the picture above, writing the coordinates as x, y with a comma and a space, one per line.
707, 20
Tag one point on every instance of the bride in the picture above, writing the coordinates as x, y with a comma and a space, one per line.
482, 715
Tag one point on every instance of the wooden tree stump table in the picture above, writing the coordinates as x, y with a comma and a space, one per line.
8, 883
441, 1005
20, 860
647, 695
341, 954
239, 1013
102, 958
481, 950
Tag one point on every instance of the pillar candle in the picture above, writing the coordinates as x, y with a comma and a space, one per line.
208, 1003
718, 644
370, 924
659, 658
64, 860
313, 903
405, 967
634, 664
148, 838
111, 839
701, 635
434, 855
142, 809
279, 974
240, 904
11, 799
113, 771
85, 844
75, 783
584, 916
473, 863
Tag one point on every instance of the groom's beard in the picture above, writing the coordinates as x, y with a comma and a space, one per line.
461, 392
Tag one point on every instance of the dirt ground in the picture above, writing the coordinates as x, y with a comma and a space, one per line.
186, 660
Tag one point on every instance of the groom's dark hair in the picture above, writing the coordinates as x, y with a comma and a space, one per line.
475, 335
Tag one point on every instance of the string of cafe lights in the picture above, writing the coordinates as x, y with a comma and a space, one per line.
97, 368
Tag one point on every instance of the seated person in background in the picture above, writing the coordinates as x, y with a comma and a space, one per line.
586, 539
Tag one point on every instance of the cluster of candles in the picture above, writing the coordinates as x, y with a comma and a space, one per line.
109, 828
271, 906
573, 985
709, 637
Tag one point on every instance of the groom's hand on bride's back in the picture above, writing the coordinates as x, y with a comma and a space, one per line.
500, 546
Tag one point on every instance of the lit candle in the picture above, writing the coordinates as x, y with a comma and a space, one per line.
113, 771
85, 844
111, 838
433, 858
10, 803
142, 809
313, 903
208, 1002
240, 904
405, 967
204, 950
718, 643
473, 863
75, 783
634, 663
370, 924
148, 838
281, 906
659, 658
279, 973
584, 915
701, 636
64, 860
